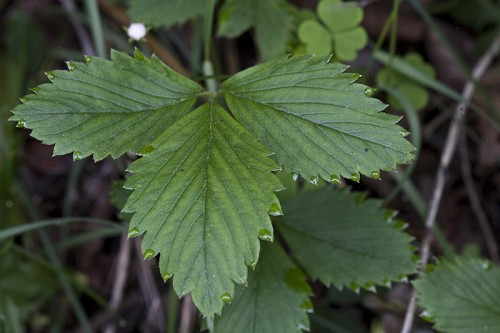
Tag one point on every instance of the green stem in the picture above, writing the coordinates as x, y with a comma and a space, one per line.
21, 229
210, 325
71, 184
208, 71
378, 45
416, 138
207, 27
394, 35
96, 27
208, 68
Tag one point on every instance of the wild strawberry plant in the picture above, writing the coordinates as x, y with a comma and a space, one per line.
203, 192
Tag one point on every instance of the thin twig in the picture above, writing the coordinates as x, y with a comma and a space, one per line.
447, 155
120, 279
475, 203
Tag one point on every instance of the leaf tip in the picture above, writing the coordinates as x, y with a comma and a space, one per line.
50, 75
266, 235
275, 210
133, 232
149, 254
71, 65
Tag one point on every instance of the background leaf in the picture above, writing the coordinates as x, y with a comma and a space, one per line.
461, 296
342, 240
316, 120
317, 39
340, 16
347, 43
166, 13
270, 18
414, 92
202, 198
343, 19
275, 300
127, 101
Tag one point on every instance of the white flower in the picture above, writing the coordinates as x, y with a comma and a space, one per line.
136, 31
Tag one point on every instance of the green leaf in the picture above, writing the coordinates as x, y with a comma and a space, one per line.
343, 19
340, 16
349, 42
316, 38
127, 101
414, 92
270, 18
275, 300
118, 197
461, 296
166, 13
202, 198
342, 240
316, 120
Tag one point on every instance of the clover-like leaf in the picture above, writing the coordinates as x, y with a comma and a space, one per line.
343, 20
270, 19
315, 37
343, 240
127, 101
414, 92
348, 43
201, 199
275, 300
166, 13
316, 119
461, 296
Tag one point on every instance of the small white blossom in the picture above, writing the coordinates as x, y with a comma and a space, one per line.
136, 31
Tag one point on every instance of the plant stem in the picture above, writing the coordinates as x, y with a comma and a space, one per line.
378, 45
210, 325
96, 27
207, 27
208, 71
394, 34
208, 68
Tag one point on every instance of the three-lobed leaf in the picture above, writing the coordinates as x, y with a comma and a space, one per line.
342, 240
126, 101
275, 300
338, 22
204, 188
202, 198
461, 296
